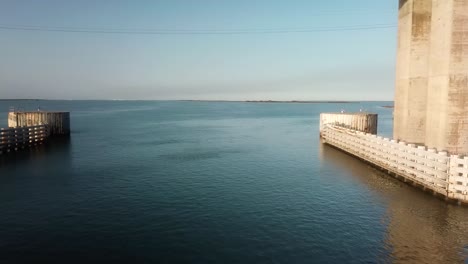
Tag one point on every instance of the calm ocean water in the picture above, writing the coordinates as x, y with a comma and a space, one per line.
212, 182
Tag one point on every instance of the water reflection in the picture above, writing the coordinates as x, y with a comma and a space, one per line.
421, 228
58, 147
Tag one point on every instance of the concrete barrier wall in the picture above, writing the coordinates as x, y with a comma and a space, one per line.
364, 122
12, 139
458, 178
438, 171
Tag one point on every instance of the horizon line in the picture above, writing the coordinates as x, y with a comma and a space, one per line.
194, 100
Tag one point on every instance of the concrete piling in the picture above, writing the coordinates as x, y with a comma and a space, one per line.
58, 122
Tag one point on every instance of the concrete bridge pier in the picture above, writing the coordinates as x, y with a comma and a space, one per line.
431, 98
414, 34
447, 111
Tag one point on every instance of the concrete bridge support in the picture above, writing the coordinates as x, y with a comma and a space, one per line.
447, 111
414, 33
431, 99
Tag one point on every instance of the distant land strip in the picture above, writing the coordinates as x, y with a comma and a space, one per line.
302, 102
272, 101
233, 101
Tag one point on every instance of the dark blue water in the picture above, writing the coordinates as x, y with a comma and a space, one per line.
207, 182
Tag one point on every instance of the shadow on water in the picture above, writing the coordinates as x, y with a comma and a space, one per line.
420, 227
58, 146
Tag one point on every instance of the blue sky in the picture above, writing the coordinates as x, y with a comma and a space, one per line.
326, 65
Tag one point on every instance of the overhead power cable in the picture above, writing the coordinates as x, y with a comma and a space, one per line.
193, 31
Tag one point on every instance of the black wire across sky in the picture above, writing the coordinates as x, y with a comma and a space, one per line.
193, 31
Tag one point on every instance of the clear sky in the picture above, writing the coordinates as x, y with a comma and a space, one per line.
253, 64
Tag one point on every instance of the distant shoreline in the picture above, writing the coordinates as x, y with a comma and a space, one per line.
227, 101
302, 102
271, 101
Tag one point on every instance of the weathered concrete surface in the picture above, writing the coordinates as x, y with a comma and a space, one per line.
439, 71
431, 98
414, 32
58, 122
448, 87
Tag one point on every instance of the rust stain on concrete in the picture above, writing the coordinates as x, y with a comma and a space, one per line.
421, 25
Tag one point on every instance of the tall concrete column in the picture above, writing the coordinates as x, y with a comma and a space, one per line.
414, 28
447, 109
